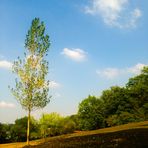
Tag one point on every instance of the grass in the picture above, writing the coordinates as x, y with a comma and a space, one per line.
132, 135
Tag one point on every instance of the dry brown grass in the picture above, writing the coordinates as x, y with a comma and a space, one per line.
82, 136
20, 144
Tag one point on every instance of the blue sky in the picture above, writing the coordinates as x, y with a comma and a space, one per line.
95, 44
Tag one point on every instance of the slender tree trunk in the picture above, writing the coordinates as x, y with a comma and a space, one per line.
28, 127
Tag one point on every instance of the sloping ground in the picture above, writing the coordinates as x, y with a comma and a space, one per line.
133, 135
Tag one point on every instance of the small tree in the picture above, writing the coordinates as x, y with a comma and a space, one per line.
31, 88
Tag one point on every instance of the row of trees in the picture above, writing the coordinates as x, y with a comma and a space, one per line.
18, 130
52, 124
116, 106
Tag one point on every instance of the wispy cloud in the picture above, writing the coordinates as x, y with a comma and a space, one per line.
136, 69
115, 13
4, 104
111, 73
75, 54
5, 64
54, 85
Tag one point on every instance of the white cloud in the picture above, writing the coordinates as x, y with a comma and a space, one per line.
111, 73
5, 64
135, 15
54, 85
4, 104
136, 69
75, 54
115, 13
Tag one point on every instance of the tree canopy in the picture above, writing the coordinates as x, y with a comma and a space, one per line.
32, 88
117, 105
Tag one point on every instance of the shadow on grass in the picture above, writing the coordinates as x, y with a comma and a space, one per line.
131, 138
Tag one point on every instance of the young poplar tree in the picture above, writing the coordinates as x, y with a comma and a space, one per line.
31, 89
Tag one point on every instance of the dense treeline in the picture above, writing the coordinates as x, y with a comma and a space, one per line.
116, 106
48, 125
17, 131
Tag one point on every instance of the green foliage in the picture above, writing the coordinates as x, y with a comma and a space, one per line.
138, 93
115, 100
5, 133
117, 105
67, 125
53, 124
75, 119
122, 118
49, 124
129, 104
91, 113
31, 88
36, 41
19, 129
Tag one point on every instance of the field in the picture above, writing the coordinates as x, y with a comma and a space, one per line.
133, 135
